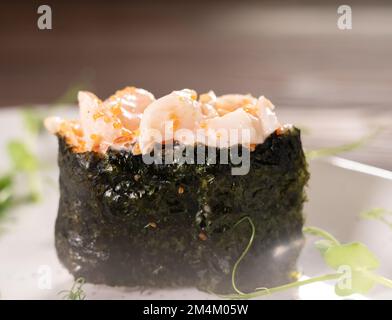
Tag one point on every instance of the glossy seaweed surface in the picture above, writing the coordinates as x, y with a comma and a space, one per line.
122, 222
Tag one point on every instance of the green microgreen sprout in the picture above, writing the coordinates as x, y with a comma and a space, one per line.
233, 274
357, 276
356, 256
333, 151
76, 292
379, 214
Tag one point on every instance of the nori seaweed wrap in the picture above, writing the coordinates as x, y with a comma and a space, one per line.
122, 222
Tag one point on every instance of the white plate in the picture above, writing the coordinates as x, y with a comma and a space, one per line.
338, 191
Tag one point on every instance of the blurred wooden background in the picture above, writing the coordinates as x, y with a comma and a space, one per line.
292, 52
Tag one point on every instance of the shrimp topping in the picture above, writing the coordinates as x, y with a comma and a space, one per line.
132, 119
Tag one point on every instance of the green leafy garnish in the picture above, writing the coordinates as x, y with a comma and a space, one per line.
360, 262
354, 265
357, 258
76, 292
21, 157
24, 161
379, 214
5, 193
33, 121
333, 151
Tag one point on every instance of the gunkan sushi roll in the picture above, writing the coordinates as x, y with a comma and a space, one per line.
153, 192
